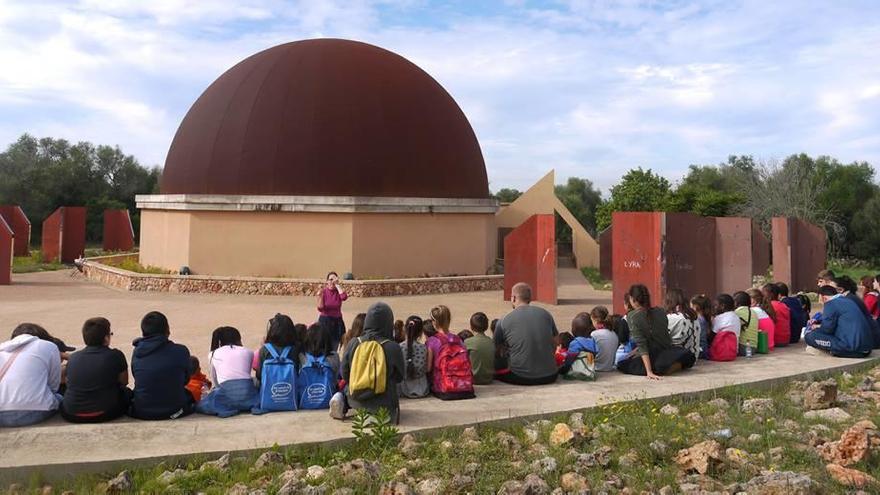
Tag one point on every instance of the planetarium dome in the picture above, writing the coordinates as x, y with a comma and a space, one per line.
326, 117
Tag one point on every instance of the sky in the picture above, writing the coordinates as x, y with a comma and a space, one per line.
590, 88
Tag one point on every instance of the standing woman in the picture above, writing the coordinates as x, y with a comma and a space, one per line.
330, 309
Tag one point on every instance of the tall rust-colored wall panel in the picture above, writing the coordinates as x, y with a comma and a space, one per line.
760, 251
21, 227
118, 231
64, 234
733, 254
606, 254
73, 243
530, 257
637, 239
690, 255
7, 246
51, 239
799, 252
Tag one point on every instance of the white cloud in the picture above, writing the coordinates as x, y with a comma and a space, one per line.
590, 88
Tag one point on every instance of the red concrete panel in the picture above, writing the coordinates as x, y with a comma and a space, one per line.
760, 251
799, 252
690, 255
64, 234
530, 257
73, 244
118, 231
51, 243
606, 254
21, 227
733, 254
7, 246
637, 242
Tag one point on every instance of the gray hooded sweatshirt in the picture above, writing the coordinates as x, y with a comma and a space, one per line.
379, 326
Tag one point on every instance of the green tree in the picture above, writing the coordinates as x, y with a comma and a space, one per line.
43, 174
864, 231
582, 199
507, 195
638, 190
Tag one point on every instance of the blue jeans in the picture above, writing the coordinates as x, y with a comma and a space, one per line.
23, 418
230, 398
827, 342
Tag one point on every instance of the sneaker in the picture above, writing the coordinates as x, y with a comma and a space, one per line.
337, 406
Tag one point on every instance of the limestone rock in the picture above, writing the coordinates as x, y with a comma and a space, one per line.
669, 410
737, 456
461, 482
701, 457
866, 384
544, 466
561, 435
720, 417
757, 406
471, 469
408, 445
360, 470
781, 483
666, 490
694, 417
576, 421
508, 441
238, 489
834, 414
221, 464
511, 487
267, 458
855, 444
292, 475
311, 490
539, 450
121, 483
395, 488
531, 435
723, 434
535, 485
659, 447
446, 445
315, 473
820, 395
601, 457
754, 437
169, 477
574, 483
430, 486
850, 477
470, 433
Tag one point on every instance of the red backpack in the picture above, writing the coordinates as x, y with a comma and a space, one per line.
453, 378
724, 347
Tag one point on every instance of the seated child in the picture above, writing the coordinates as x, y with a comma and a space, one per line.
481, 350
197, 381
620, 327
465, 334
581, 328
606, 341
563, 340
399, 332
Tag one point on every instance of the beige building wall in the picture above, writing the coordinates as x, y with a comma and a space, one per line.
404, 244
164, 238
308, 245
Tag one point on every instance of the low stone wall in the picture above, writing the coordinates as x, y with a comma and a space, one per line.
96, 269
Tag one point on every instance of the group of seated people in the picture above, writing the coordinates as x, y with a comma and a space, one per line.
380, 359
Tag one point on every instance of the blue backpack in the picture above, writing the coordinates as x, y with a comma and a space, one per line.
315, 384
278, 381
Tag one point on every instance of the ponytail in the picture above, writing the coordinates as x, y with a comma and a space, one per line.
413, 330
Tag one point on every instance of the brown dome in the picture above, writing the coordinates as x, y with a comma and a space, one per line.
326, 117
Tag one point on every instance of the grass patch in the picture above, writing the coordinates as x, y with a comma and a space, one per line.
641, 444
595, 278
34, 263
132, 265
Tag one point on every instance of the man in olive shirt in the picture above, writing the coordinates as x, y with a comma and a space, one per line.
481, 350
526, 336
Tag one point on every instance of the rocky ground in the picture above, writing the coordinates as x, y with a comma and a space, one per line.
803, 437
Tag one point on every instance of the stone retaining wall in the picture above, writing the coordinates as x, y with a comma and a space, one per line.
96, 269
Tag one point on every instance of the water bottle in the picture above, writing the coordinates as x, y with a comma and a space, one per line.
205, 390
748, 348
